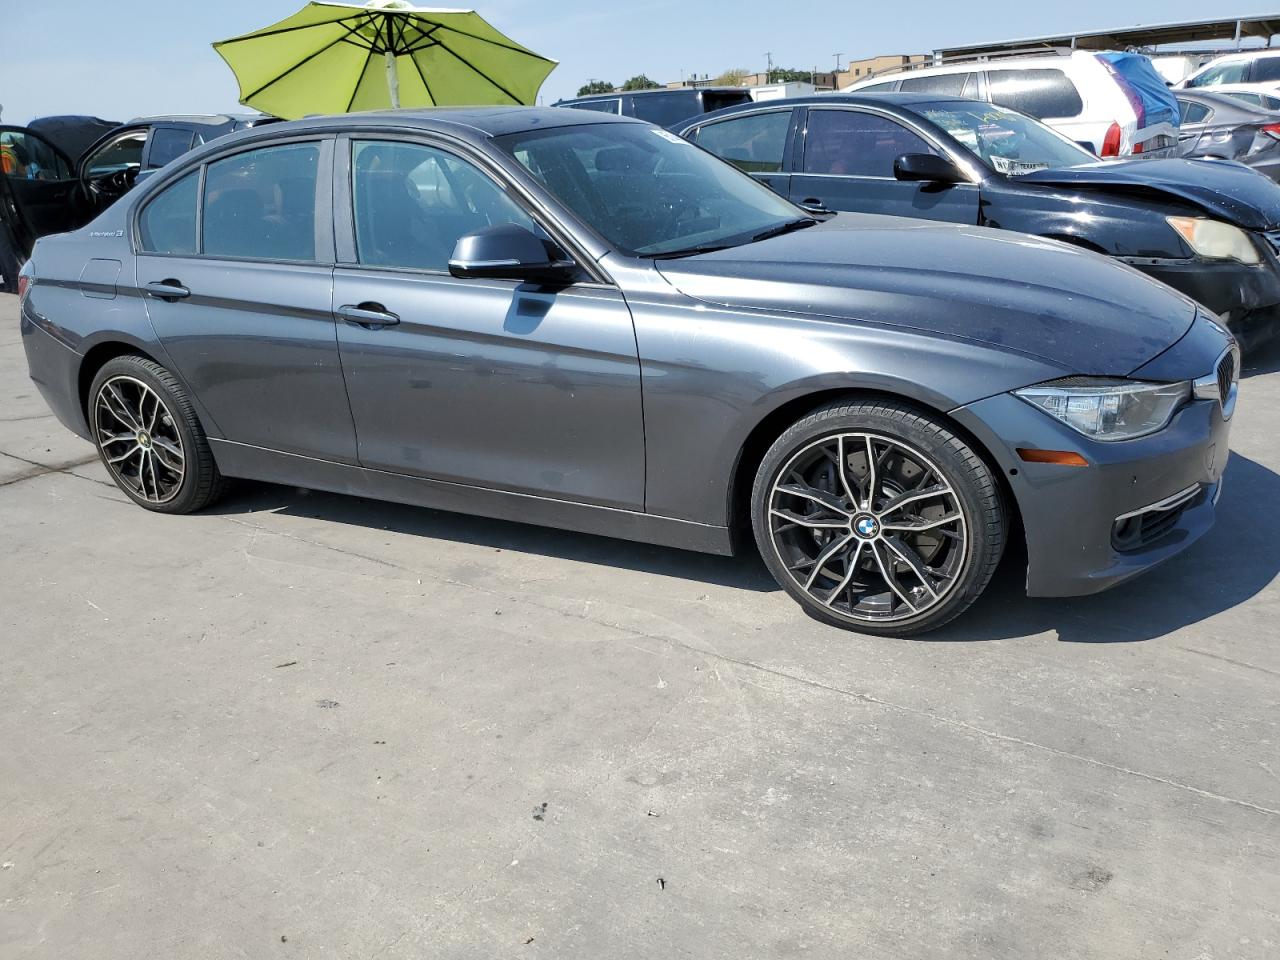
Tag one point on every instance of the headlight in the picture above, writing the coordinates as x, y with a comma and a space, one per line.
1104, 409
1215, 239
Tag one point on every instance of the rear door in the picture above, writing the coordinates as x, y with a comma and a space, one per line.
39, 188
236, 267
490, 383
846, 163
757, 143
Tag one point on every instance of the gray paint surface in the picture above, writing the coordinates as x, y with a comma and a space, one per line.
1083, 779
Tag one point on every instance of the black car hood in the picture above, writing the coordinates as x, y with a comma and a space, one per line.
1223, 189
1040, 298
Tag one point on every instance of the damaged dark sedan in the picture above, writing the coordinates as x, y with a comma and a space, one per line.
1208, 228
583, 321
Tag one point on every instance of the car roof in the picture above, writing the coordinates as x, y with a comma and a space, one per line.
208, 119
886, 99
1223, 102
645, 93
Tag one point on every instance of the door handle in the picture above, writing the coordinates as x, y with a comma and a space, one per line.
813, 205
371, 316
169, 290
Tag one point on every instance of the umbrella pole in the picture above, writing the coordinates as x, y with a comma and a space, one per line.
393, 80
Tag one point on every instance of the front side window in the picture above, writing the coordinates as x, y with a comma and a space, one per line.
261, 204
1037, 93
168, 143
413, 202
857, 144
949, 84
1006, 141
24, 156
1231, 72
753, 143
647, 191
168, 221
122, 154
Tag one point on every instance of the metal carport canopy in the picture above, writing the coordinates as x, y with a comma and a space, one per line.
1195, 31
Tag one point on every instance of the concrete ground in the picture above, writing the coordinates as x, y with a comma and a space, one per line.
301, 725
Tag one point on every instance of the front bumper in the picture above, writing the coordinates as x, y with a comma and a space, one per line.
1078, 521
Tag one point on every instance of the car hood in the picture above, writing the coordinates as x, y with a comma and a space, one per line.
1040, 298
1223, 189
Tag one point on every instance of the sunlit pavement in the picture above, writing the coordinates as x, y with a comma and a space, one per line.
306, 725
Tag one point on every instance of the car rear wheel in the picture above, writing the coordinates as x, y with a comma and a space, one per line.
876, 517
150, 439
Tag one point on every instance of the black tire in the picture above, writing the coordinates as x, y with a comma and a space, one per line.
199, 483
887, 587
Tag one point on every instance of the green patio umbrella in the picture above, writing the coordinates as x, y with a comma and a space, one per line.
341, 57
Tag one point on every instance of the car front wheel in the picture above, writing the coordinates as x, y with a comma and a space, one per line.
876, 517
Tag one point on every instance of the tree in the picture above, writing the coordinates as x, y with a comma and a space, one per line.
640, 82
732, 77
783, 75
595, 86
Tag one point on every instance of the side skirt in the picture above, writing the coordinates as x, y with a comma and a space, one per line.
272, 466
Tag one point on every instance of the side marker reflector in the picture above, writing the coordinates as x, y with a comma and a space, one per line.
1064, 458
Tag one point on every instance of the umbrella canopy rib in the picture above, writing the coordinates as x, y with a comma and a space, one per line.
478, 72
303, 62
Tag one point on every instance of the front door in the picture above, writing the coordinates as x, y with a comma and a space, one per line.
39, 189
244, 308
847, 164
485, 382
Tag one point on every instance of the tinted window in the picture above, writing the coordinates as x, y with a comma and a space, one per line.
754, 144
122, 154
665, 109
1037, 93
412, 203
262, 204
607, 105
857, 144
1193, 112
27, 157
168, 223
1011, 143
883, 87
1265, 69
1231, 72
950, 84
645, 190
168, 144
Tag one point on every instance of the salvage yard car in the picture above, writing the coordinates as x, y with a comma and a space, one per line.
1211, 230
583, 321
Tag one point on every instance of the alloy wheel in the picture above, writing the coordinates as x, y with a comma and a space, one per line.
868, 527
139, 439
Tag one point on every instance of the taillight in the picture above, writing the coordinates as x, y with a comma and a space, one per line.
1137, 149
1111, 142
23, 284
1272, 130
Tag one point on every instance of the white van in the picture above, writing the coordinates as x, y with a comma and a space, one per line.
1079, 93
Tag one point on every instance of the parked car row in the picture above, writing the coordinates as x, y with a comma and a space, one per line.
585, 321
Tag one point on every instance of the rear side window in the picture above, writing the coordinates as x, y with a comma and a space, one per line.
168, 144
607, 105
262, 204
665, 109
1230, 72
1037, 93
1265, 69
168, 223
857, 144
1193, 112
948, 84
883, 87
754, 144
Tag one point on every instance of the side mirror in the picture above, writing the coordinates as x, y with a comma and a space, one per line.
508, 251
928, 167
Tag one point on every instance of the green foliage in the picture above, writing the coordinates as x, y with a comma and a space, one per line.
783, 75
732, 77
595, 86
640, 82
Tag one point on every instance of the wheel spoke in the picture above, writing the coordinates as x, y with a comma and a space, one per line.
890, 579
122, 411
923, 524
820, 497
871, 475
913, 560
126, 455
850, 570
151, 468
842, 468
831, 549
900, 501
812, 522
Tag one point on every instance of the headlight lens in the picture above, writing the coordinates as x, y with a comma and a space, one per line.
1105, 409
1215, 239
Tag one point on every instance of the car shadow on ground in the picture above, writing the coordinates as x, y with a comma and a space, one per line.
1260, 360
744, 572
1237, 559
1233, 562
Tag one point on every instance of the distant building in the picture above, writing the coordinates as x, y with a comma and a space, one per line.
861, 69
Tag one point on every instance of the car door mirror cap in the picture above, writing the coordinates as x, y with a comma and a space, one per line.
928, 167
508, 251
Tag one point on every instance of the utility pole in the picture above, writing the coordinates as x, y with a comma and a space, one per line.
838, 56
768, 70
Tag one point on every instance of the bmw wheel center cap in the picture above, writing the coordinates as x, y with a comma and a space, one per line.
867, 527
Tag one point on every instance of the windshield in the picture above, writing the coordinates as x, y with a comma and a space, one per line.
1009, 142
647, 191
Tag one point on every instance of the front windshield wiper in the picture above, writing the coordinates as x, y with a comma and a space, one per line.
797, 224
687, 251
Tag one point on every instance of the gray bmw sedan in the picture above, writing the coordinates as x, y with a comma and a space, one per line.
583, 321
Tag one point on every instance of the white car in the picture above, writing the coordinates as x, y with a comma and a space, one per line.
1079, 93
1258, 68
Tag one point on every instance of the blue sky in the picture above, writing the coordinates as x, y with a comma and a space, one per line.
127, 58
